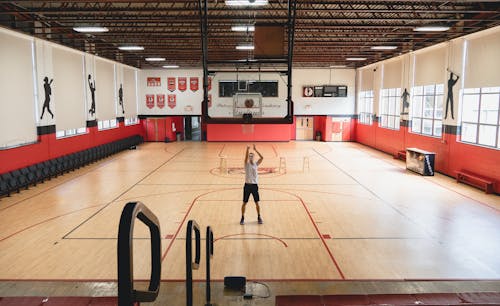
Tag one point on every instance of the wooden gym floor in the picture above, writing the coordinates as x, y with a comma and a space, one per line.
350, 213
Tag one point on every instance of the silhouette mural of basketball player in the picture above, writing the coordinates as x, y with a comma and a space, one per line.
48, 92
120, 98
449, 100
92, 92
406, 104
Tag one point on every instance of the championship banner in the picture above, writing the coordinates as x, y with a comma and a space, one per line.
150, 101
171, 84
182, 83
209, 100
160, 101
171, 101
193, 83
154, 82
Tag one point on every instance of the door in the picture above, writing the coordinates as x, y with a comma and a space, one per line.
304, 128
340, 129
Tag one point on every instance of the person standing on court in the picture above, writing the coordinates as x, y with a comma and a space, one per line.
251, 183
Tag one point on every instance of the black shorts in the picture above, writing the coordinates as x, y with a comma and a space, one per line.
251, 189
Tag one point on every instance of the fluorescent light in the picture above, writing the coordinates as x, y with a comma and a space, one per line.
338, 66
384, 47
171, 66
89, 29
246, 2
356, 58
155, 59
131, 48
431, 29
243, 28
245, 47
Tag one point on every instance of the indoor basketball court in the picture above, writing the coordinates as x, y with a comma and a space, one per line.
125, 129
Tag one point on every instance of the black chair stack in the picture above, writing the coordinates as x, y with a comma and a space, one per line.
18, 179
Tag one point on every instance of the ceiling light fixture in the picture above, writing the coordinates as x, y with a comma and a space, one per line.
131, 48
91, 29
243, 28
171, 66
155, 59
356, 59
246, 2
384, 47
338, 66
431, 29
245, 47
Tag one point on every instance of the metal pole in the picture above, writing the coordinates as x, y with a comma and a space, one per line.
203, 9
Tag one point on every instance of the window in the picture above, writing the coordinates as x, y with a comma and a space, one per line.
266, 88
366, 107
107, 124
427, 110
389, 108
71, 132
480, 116
131, 121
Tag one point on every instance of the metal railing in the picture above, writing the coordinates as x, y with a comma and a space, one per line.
190, 265
127, 295
209, 252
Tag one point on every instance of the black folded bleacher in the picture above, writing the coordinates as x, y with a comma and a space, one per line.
18, 179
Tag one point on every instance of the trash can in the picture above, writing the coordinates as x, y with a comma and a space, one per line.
318, 135
178, 135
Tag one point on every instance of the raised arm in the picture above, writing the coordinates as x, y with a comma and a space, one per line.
261, 158
246, 155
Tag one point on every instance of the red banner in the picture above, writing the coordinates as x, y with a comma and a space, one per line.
171, 101
150, 101
171, 84
182, 84
160, 101
209, 100
209, 83
153, 82
193, 83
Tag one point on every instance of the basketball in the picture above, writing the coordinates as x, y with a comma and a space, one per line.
249, 103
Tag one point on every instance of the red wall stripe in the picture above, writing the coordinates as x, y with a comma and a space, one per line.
451, 155
48, 146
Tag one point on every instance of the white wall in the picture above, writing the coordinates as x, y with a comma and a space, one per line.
326, 105
26, 61
187, 102
17, 94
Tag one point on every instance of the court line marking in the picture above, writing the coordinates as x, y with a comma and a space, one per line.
185, 217
317, 230
411, 220
257, 234
298, 197
47, 220
497, 210
396, 163
286, 280
121, 194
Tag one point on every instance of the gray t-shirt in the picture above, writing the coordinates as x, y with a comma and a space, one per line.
251, 176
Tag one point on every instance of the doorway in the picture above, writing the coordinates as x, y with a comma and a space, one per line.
192, 128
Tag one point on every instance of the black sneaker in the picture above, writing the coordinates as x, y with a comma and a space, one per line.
259, 219
242, 221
